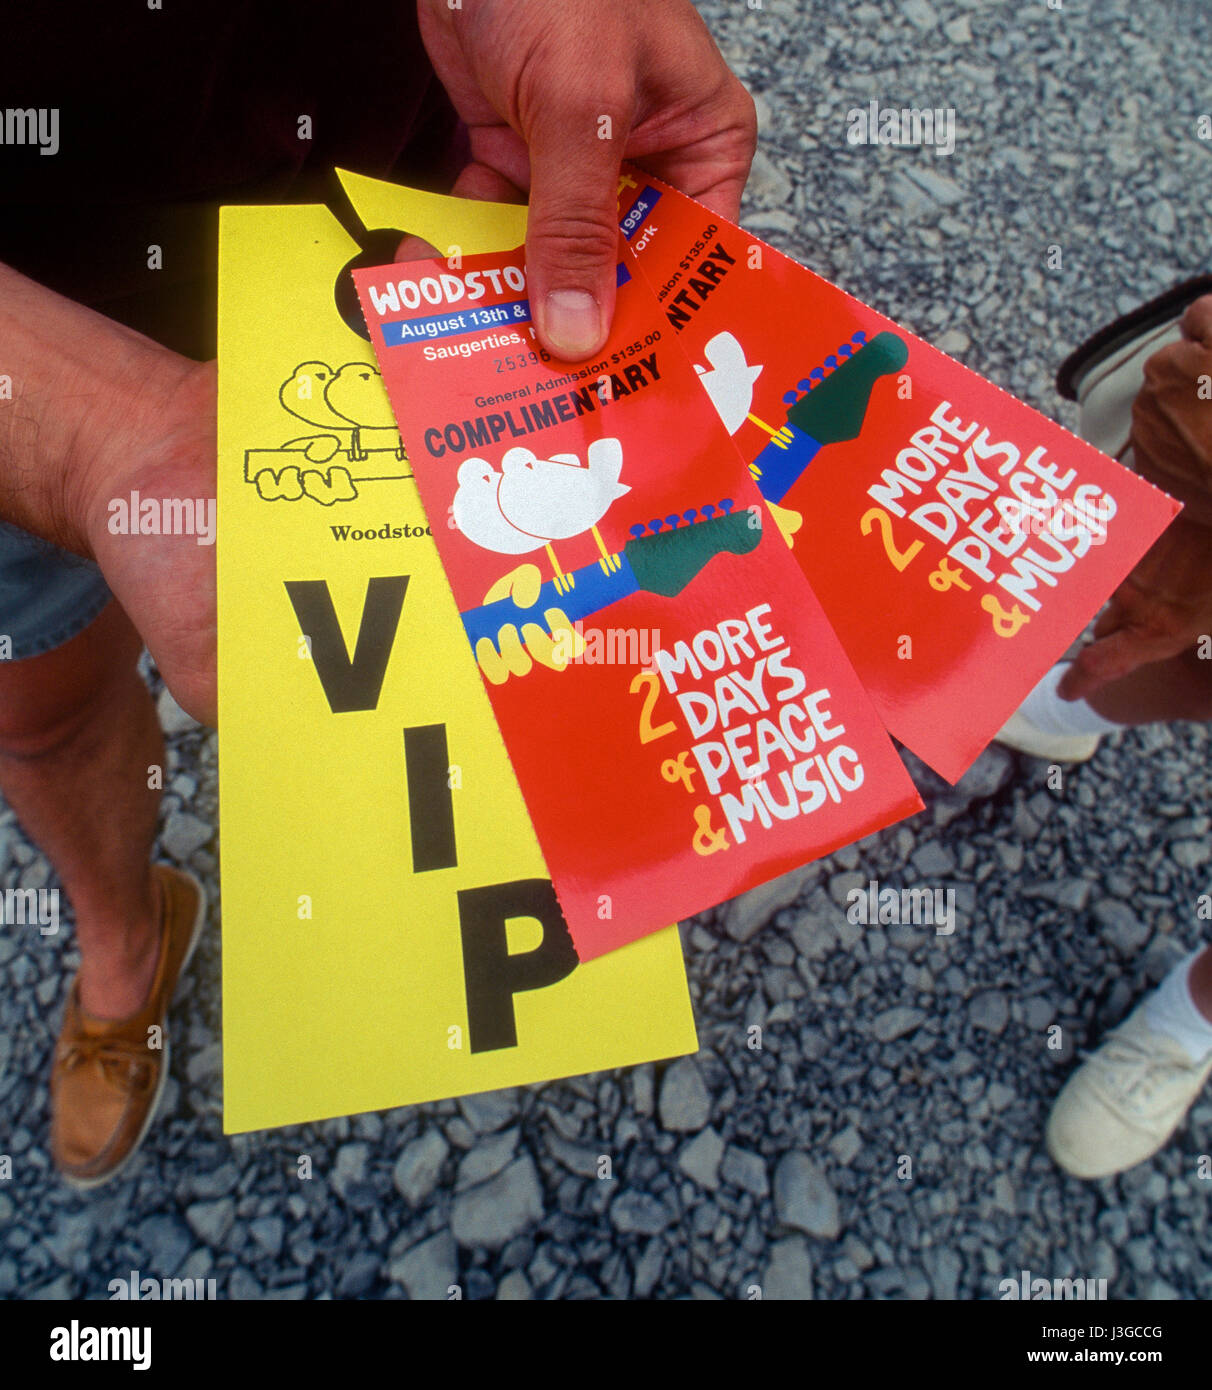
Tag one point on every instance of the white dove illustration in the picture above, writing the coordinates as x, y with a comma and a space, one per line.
535, 501
477, 511
729, 383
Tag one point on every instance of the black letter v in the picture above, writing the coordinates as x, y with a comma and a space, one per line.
349, 685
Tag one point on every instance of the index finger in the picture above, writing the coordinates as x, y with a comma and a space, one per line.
1110, 658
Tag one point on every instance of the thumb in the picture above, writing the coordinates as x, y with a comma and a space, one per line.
1197, 321
572, 234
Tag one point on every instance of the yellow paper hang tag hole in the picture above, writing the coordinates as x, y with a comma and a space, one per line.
378, 247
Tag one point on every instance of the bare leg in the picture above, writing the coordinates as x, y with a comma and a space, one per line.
78, 732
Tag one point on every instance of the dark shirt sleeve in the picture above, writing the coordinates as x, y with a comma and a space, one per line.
164, 114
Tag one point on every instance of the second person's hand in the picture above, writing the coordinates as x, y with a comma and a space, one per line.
1164, 607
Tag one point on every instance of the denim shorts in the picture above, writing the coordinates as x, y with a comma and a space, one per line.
47, 595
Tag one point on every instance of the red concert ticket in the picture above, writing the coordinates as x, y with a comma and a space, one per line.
682, 719
958, 540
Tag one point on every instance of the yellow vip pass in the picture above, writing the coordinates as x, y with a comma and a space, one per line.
390, 934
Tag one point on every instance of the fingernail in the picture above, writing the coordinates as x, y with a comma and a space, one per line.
572, 323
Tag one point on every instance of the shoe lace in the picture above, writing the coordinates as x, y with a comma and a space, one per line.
1131, 1071
123, 1062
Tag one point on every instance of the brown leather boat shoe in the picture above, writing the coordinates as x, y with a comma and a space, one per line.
108, 1075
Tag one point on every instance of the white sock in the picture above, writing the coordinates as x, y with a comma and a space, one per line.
1051, 715
1171, 1010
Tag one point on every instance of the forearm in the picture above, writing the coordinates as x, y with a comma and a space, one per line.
84, 391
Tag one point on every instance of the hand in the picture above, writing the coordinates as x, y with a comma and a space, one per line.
166, 584
1172, 415
1160, 610
553, 646
1165, 604
99, 411
556, 96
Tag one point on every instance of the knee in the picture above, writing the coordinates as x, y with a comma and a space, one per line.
45, 701
39, 714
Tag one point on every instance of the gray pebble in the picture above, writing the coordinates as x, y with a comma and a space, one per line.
788, 1272
1126, 929
173, 719
429, 1269
491, 1214
933, 860
989, 1010
349, 1171
183, 834
1191, 854
943, 1268
639, 1213
745, 1170
242, 1285
416, 1171
846, 1146
685, 1104
487, 1159
896, 1022
580, 1159
700, 1159
211, 1221
359, 1275
490, 1111
803, 1198
165, 1243
268, 1232
515, 1288
751, 911
648, 1269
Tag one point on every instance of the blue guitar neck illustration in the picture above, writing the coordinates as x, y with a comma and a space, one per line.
662, 559
828, 407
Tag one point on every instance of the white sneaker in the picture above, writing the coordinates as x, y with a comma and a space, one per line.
1019, 733
1124, 1102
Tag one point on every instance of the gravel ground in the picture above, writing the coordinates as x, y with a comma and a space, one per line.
783, 1166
